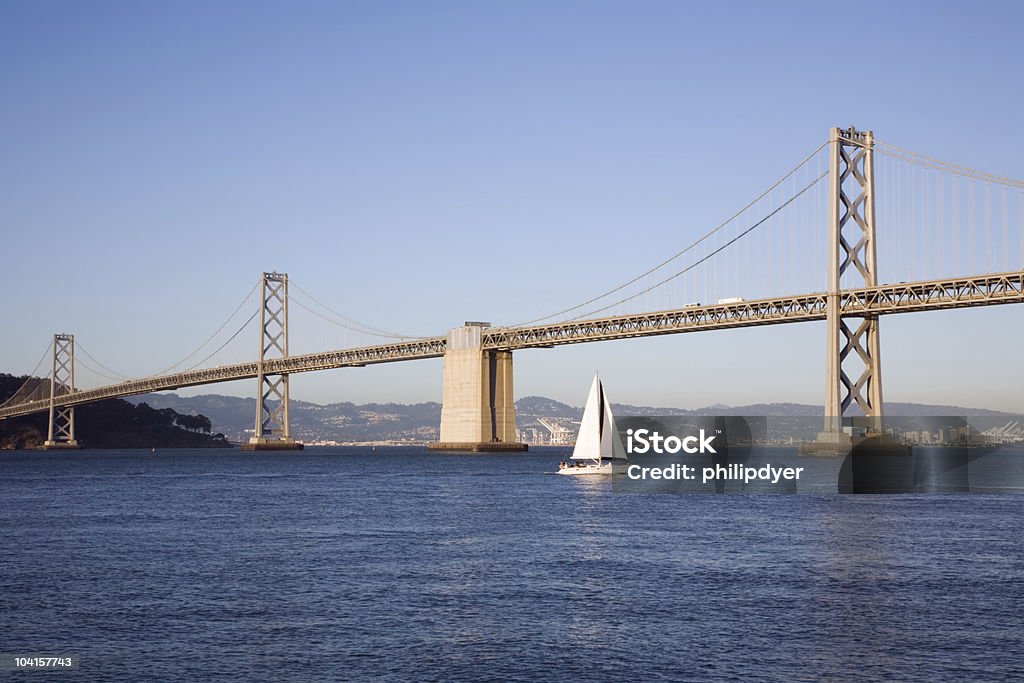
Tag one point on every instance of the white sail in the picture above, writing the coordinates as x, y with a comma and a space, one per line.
588, 441
611, 444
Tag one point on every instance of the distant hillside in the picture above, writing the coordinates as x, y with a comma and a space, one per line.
349, 422
236, 418
538, 406
110, 424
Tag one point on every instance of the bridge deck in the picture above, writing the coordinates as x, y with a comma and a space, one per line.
981, 290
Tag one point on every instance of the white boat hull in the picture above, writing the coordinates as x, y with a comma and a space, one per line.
589, 468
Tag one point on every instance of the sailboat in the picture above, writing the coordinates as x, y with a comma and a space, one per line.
598, 442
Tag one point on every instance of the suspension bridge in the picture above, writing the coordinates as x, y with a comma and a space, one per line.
940, 218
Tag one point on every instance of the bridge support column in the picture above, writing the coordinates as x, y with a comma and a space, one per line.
851, 244
61, 432
478, 410
272, 425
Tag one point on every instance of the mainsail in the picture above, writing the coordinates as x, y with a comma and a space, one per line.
588, 441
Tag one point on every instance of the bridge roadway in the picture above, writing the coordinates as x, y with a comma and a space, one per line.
908, 297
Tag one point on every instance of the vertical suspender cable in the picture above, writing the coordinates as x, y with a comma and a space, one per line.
971, 245
940, 226
957, 249
1005, 265
989, 265
927, 238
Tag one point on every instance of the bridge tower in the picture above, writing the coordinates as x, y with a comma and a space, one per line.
852, 342
61, 433
478, 410
272, 426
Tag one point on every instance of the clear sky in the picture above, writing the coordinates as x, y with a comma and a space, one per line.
417, 164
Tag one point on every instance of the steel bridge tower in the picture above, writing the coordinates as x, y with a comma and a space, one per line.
852, 342
272, 424
61, 432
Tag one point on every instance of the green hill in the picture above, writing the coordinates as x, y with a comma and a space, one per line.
110, 424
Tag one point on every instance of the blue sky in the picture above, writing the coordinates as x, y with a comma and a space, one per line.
417, 164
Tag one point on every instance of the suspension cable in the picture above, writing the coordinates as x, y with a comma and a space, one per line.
939, 165
708, 256
79, 361
215, 333
366, 329
303, 306
221, 347
119, 376
31, 376
682, 251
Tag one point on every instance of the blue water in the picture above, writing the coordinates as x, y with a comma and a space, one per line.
344, 564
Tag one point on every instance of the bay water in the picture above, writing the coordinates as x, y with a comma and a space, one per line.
351, 563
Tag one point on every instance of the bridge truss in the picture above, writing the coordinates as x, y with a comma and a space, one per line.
909, 297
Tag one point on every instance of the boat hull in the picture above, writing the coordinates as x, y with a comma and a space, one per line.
588, 469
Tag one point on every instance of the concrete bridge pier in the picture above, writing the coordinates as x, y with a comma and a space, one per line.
478, 410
